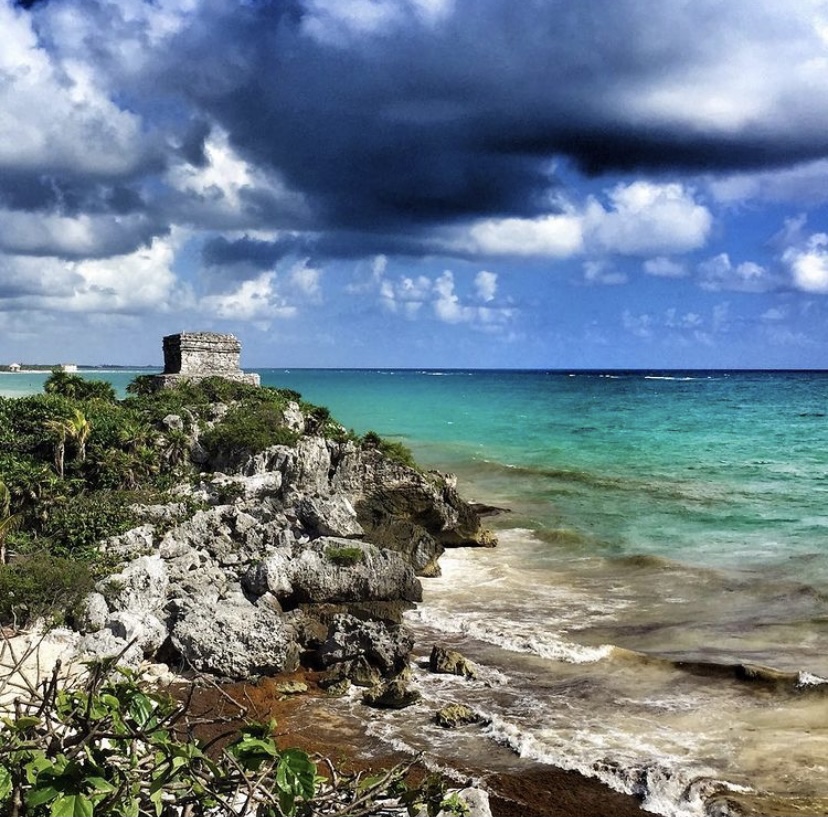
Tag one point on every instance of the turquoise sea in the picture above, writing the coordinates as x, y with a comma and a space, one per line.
656, 613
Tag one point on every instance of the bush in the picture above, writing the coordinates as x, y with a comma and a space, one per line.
42, 586
392, 449
76, 525
247, 429
105, 745
76, 387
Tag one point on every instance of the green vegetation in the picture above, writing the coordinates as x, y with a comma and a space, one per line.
392, 449
108, 746
74, 461
344, 556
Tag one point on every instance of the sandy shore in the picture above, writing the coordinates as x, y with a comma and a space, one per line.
309, 721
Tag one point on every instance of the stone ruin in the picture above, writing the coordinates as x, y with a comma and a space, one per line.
196, 355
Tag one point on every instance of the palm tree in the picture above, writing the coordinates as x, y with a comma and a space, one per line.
78, 428
59, 429
8, 521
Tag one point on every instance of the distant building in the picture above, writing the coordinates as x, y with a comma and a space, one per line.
14, 367
196, 355
69, 368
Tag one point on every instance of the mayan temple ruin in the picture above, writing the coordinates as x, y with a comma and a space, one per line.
196, 355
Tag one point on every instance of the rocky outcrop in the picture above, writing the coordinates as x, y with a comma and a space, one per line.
452, 716
310, 551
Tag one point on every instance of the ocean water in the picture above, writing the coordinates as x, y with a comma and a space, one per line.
656, 613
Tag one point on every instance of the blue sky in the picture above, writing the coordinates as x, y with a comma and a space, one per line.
446, 183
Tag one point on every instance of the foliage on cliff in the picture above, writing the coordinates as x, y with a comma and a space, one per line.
74, 461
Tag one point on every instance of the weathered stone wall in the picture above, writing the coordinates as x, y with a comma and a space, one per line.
194, 355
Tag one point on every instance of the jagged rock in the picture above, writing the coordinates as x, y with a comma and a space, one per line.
333, 516
393, 695
450, 662
293, 418
235, 638
141, 587
384, 646
133, 543
93, 614
105, 644
476, 800
144, 629
173, 422
453, 715
315, 573
338, 689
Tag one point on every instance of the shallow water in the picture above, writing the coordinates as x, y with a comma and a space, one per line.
667, 533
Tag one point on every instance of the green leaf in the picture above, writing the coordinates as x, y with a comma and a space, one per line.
99, 784
5, 783
78, 805
40, 795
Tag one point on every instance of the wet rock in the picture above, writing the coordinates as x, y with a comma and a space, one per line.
450, 662
394, 694
451, 716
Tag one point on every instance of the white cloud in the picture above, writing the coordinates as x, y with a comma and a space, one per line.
255, 300
141, 281
78, 236
662, 267
720, 273
803, 183
305, 280
219, 193
809, 266
646, 218
555, 236
54, 116
641, 218
486, 285
602, 272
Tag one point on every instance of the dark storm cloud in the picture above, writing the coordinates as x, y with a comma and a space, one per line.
380, 132
428, 123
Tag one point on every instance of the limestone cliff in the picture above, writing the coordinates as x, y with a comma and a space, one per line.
298, 553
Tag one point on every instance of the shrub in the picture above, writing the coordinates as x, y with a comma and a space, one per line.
344, 556
246, 429
106, 746
76, 387
392, 449
76, 525
41, 585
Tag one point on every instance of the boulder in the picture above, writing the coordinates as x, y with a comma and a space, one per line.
384, 646
105, 644
329, 516
394, 694
333, 570
93, 613
235, 639
141, 587
450, 662
453, 715
144, 629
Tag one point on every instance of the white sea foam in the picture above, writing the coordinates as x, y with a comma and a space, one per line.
666, 785
546, 645
807, 679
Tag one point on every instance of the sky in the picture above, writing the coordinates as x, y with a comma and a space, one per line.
416, 183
